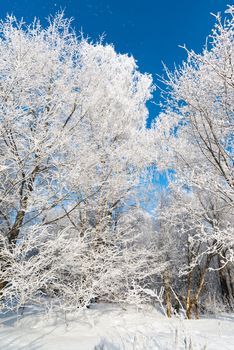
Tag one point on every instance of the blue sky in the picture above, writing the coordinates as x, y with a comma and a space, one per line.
150, 30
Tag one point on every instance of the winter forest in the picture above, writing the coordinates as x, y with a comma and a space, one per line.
83, 217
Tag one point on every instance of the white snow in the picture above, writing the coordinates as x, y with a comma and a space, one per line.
112, 327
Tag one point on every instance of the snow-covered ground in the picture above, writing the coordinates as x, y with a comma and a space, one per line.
111, 327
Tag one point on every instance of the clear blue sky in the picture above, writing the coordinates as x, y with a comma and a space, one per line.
150, 30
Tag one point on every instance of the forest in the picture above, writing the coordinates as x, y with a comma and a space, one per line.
83, 215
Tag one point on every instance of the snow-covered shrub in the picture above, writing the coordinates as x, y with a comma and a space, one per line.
64, 270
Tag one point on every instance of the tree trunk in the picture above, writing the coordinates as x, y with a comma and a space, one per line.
167, 286
192, 301
188, 306
226, 284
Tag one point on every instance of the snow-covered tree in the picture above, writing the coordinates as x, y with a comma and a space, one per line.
196, 130
73, 144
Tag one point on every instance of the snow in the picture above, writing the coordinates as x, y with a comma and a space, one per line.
112, 327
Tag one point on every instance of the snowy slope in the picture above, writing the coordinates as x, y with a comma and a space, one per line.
110, 327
